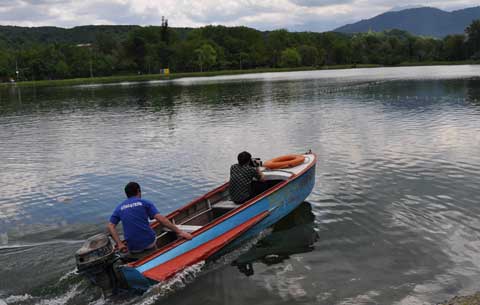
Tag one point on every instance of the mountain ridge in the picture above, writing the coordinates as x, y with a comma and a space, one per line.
424, 21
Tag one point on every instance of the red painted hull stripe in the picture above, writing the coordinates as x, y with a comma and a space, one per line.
221, 218
168, 269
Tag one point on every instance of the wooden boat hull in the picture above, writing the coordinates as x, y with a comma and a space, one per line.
216, 224
279, 205
256, 216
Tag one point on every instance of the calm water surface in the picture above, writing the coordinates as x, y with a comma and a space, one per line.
393, 218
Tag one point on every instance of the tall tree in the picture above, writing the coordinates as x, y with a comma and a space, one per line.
277, 41
6, 65
473, 38
165, 32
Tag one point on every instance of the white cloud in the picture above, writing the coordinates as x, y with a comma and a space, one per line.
313, 15
320, 3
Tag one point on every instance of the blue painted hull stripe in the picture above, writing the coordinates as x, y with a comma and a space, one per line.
206, 236
276, 202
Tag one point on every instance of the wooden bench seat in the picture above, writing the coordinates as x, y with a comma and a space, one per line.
225, 204
188, 228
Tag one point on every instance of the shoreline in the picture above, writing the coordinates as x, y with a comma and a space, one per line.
155, 77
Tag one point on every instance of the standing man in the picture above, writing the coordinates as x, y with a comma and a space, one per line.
241, 178
134, 214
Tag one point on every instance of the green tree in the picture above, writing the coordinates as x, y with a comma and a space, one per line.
290, 58
165, 31
243, 59
206, 56
473, 38
163, 53
358, 43
454, 47
137, 46
104, 65
121, 62
105, 43
309, 55
425, 49
79, 59
38, 61
6, 65
125, 50
322, 54
397, 50
341, 52
62, 70
182, 59
277, 41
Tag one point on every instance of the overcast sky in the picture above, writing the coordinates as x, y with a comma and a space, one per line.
294, 15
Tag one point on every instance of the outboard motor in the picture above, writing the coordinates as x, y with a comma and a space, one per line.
96, 261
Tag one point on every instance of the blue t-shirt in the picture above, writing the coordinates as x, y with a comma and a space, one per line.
134, 214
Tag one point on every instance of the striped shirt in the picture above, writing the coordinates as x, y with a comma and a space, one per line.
241, 178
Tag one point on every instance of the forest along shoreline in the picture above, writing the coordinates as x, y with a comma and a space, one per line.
171, 76
87, 54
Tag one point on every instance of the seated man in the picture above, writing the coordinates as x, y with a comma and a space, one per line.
134, 213
241, 178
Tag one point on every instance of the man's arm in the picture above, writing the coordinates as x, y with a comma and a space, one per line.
167, 223
113, 231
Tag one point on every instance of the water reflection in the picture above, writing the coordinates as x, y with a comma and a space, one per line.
473, 91
396, 199
293, 234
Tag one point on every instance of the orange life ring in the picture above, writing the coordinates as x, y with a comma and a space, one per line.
284, 161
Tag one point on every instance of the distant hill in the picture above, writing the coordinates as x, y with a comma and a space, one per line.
426, 21
15, 35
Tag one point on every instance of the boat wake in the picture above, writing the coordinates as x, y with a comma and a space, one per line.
178, 282
21, 246
69, 289
28, 299
72, 289
174, 284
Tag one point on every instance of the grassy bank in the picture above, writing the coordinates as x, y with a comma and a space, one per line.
440, 63
153, 77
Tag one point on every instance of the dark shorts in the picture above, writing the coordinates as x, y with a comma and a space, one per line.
152, 247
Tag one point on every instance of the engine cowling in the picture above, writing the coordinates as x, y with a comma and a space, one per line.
97, 260
97, 250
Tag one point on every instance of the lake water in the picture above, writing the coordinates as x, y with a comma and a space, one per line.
393, 218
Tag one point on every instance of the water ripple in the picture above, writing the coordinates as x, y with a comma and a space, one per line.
396, 194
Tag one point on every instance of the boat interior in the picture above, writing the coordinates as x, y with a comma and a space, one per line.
206, 210
194, 217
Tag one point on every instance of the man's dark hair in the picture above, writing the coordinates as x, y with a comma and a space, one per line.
244, 158
132, 189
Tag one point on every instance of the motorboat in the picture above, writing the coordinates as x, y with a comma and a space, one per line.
217, 225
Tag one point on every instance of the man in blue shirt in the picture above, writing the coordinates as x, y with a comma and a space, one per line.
134, 214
